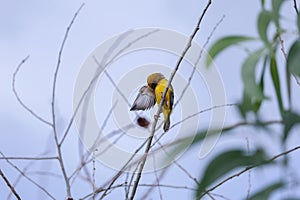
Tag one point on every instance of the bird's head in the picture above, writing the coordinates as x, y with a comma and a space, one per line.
153, 79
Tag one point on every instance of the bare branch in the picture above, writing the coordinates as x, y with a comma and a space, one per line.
19, 98
163, 99
295, 6
97, 74
191, 116
157, 179
12, 189
60, 158
28, 178
161, 176
144, 185
94, 175
249, 168
112, 81
285, 56
28, 158
177, 164
227, 128
198, 60
122, 169
102, 66
249, 172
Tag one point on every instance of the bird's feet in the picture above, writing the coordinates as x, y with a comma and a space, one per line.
156, 117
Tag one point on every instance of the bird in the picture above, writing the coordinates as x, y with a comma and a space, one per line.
152, 93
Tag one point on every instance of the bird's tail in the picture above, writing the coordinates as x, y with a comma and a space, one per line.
167, 124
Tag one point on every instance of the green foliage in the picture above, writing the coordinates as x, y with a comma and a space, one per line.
276, 5
266, 192
252, 89
250, 104
298, 22
253, 73
225, 163
224, 43
264, 20
262, 2
293, 63
276, 81
290, 119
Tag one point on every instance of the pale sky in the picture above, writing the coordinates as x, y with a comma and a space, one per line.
36, 28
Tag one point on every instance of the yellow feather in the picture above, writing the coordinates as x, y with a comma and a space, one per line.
167, 106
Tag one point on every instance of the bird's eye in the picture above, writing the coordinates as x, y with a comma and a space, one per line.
153, 85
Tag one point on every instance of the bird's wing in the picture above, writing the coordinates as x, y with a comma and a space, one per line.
144, 100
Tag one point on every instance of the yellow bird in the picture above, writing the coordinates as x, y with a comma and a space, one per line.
153, 92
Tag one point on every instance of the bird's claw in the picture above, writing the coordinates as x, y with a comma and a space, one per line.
156, 117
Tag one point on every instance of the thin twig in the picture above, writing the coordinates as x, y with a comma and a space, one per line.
198, 60
227, 128
179, 165
285, 56
28, 158
11, 187
143, 185
95, 78
249, 172
94, 175
24, 170
191, 116
157, 179
19, 98
60, 158
131, 180
218, 195
82, 98
163, 99
86, 161
249, 168
28, 178
126, 187
120, 172
45, 173
155, 184
112, 82
295, 6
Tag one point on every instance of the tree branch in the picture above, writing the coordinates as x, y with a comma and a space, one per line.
295, 6
28, 178
58, 146
12, 189
19, 98
249, 168
28, 158
163, 99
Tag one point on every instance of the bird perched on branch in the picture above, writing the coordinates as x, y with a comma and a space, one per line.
153, 92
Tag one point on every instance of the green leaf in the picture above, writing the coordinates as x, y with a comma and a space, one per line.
222, 44
248, 103
225, 163
290, 119
276, 81
262, 2
298, 22
252, 89
276, 5
288, 85
264, 19
293, 60
266, 192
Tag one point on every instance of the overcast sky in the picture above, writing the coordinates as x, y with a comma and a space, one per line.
36, 28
